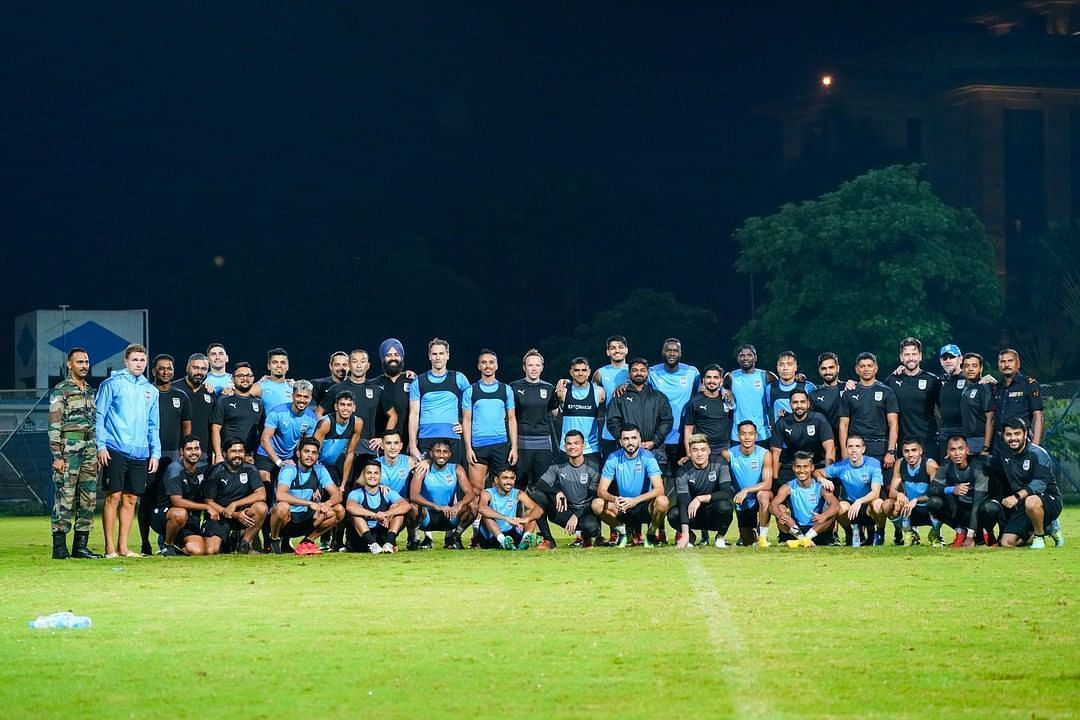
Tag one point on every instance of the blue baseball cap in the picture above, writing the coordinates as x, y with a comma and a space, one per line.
949, 349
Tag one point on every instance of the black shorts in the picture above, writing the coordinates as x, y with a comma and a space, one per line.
380, 533
220, 528
863, 518
920, 516
496, 456
125, 474
1018, 523
158, 521
747, 518
265, 464
637, 515
435, 520
299, 524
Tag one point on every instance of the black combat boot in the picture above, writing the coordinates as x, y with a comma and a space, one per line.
59, 546
79, 549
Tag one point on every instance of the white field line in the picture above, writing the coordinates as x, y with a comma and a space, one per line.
726, 641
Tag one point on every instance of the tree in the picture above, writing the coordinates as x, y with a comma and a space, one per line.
863, 266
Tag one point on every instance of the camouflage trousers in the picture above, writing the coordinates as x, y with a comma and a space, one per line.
76, 489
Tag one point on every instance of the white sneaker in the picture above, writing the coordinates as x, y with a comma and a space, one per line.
387, 547
721, 542
374, 548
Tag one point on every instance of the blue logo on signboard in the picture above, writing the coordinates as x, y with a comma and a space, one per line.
99, 341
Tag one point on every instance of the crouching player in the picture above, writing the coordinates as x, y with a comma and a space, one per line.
236, 499
752, 476
1035, 504
308, 501
703, 494
377, 512
635, 476
861, 481
443, 494
565, 492
803, 507
907, 493
179, 506
958, 495
501, 525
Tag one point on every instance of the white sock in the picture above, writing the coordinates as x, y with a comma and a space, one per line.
621, 529
499, 538
811, 534
763, 531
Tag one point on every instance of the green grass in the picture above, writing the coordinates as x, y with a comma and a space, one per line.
659, 633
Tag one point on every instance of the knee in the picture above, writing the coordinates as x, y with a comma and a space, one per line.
724, 507
589, 525
662, 504
281, 510
673, 518
178, 515
258, 510
598, 506
1033, 502
934, 504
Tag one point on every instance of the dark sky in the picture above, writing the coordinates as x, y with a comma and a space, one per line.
341, 156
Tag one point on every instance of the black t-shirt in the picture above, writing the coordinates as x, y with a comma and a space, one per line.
224, 486
533, 403
319, 386
179, 481
975, 402
826, 400
952, 388
790, 436
1021, 398
578, 484
202, 406
866, 407
372, 404
173, 408
397, 394
708, 416
916, 396
240, 416
709, 480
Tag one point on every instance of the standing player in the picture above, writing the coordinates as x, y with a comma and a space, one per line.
75, 463
174, 422
861, 481
435, 405
218, 378
443, 495
377, 512
609, 377
236, 500
372, 406
871, 412
566, 492
976, 406
908, 493
581, 405
747, 386
177, 514
1017, 396
951, 421
916, 394
707, 413
502, 525
678, 382
488, 423
801, 429
638, 497
339, 370
826, 397
308, 502
128, 445
804, 507
395, 383
703, 492
752, 474
535, 403
238, 415
201, 397
1035, 502
778, 391
275, 390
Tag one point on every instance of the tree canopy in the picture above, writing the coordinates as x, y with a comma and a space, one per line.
861, 267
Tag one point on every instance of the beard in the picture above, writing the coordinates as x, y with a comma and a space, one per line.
391, 367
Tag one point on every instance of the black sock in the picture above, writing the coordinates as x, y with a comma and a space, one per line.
391, 537
367, 539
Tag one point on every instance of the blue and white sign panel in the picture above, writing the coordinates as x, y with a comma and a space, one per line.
43, 338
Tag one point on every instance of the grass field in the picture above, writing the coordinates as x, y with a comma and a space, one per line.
659, 633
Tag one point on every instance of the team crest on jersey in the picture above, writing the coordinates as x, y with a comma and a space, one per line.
1027, 464
303, 428
960, 384
878, 395
811, 430
405, 386
207, 399
146, 394
757, 384
176, 403
712, 475
243, 477
583, 478
922, 383
254, 406
637, 466
369, 393
973, 393
543, 393
753, 464
683, 381
199, 477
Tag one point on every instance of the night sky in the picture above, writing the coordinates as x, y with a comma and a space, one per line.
415, 169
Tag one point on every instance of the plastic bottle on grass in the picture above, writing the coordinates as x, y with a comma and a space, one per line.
60, 620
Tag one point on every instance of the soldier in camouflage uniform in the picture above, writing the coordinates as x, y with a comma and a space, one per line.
75, 464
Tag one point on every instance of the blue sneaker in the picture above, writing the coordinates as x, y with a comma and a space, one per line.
1055, 533
879, 538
